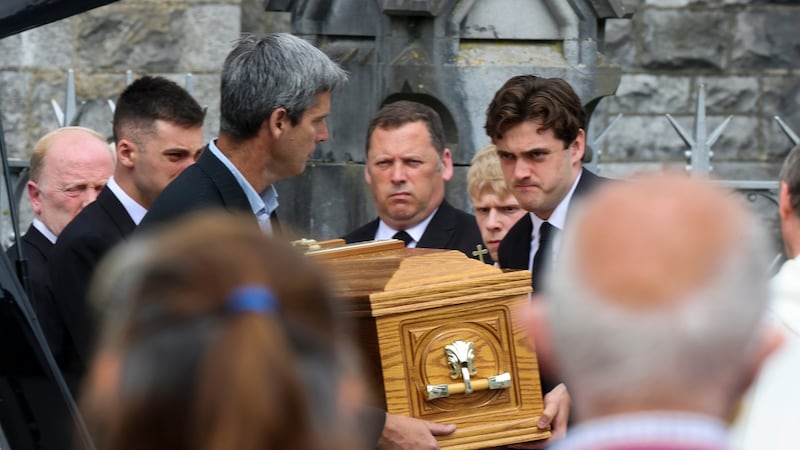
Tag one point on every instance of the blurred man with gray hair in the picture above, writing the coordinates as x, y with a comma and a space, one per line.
655, 315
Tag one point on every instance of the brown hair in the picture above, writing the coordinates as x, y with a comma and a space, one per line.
551, 101
195, 374
790, 174
395, 115
149, 99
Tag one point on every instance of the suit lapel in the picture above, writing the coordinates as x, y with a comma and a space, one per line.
518, 241
586, 184
232, 194
365, 233
35, 239
440, 229
115, 211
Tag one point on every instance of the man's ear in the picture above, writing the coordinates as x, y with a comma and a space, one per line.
578, 147
447, 165
126, 153
35, 197
367, 176
278, 122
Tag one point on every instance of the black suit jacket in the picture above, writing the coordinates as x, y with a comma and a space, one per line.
515, 248
449, 228
206, 184
36, 249
79, 248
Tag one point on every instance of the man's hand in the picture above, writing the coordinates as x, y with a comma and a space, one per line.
556, 414
408, 433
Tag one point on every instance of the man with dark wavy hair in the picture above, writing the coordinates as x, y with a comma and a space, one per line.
538, 125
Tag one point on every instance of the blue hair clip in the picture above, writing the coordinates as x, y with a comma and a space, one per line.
252, 298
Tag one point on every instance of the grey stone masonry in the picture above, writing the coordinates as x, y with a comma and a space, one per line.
744, 53
148, 37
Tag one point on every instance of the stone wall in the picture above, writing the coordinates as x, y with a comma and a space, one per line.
155, 37
744, 52
163, 37
746, 55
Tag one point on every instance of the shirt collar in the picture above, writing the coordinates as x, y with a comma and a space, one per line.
416, 232
134, 210
262, 205
39, 225
679, 429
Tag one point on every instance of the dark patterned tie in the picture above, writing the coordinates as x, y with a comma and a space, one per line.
403, 236
542, 257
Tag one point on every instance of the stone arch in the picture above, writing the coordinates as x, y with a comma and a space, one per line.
448, 123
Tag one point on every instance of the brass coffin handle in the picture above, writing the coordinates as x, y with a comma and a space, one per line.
502, 381
460, 356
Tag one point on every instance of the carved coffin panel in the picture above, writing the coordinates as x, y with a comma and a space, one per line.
413, 357
443, 340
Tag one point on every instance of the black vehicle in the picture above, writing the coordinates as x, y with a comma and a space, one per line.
37, 411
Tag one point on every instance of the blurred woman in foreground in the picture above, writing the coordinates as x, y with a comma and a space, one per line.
218, 337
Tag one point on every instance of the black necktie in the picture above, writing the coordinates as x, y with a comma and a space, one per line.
403, 236
542, 257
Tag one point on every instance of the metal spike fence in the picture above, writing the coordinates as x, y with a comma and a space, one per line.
699, 153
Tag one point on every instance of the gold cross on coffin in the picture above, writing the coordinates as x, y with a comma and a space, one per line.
479, 252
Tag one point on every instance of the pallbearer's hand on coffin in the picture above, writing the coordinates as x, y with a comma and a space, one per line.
408, 433
555, 415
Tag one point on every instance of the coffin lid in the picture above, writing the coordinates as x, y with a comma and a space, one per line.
380, 278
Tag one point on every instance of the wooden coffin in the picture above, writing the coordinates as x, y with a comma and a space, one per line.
429, 318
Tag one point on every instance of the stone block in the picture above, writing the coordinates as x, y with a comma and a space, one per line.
183, 3
739, 140
673, 39
206, 91
11, 49
620, 43
326, 201
111, 40
695, 3
209, 33
781, 97
644, 138
667, 3
776, 143
746, 171
626, 170
642, 93
256, 20
14, 106
49, 45
97, 115
730, 95
97, 89
46, 85
766, 39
